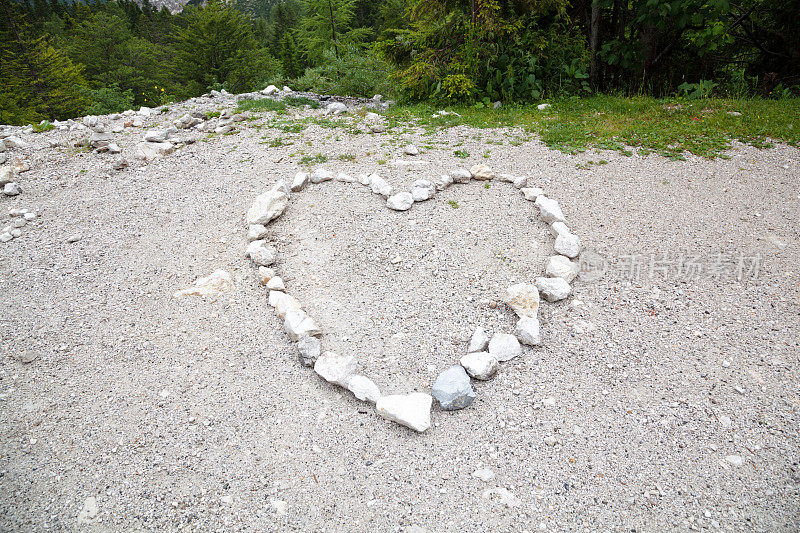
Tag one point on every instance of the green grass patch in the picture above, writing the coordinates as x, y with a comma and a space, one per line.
347, 157
313, 159
463, 154
44, 126
669, 127
300, 101
266, 104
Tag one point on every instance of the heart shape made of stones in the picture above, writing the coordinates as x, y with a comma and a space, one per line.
452, 388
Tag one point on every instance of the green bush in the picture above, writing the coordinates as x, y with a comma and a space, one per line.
107, 100
355, 72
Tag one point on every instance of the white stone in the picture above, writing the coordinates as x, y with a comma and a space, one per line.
568, 244
155, 136
422, 190
265, 274
735, 460
145, 111
460, 175
553, 289
411, 410
345, 178
270, 89
378, 185
411, 150
549, 209
268, 206
443, 182
11, 189
308, 350
300, 181
363, 179
542, 107
149, 151
5, 237
484, 474
479, 340
7, 175
520, 182
504, 347
89, 511
283, 303
13, 141
482, 172
559, 266
480, 365
261, 253
335, 368
275, 283
502, 496
531, 193
527, 331
320, 175
364, 389
297, 323
336, 108
217, 283
401, 201
559, 228
256, 232
523, 298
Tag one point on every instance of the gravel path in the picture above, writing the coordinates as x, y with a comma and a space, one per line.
659, 400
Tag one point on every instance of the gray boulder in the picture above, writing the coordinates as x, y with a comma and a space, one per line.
452, 389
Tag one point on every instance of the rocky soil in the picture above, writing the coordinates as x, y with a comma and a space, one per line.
664, 396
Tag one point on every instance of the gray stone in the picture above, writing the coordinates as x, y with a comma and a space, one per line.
452, 389
480, 365
553, 289
309, 349
297, 324
527, 331
7, 175
401, 201
442, 182
504, 347
300, 181
568, 244
411, 150
155, 136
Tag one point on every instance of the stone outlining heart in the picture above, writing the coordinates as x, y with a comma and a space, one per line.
452, 388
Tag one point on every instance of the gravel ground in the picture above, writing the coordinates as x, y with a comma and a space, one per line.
660, 400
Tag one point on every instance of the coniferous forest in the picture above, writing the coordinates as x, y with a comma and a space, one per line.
65, 58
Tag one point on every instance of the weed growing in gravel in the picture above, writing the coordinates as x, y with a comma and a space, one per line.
313, 159
589, 164
669, 127
463, 154
266, 104
487, 185
299, 101
213, 114
44, 126
381, 161
453, 204
276, 142
347, 157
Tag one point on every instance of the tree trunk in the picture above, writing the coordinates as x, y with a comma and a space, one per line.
333, 28
594, 36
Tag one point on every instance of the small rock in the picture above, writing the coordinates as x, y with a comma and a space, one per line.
452, 389
320, 175
337, 108
261, 253
553, 289
422, 190
549, 209
411, 150
461, 176
401, 201
735, 460
559, 266
559, 228
155, 136
309, 349
345, 178
378, 185
364, 389
89, 511
276, 284
300, 181
482, 172
11, 189
504, 347
335, 368
283, 303
568, 245
16, 232
7, 175
521, 182
523, 298
217, 283
297, 323
265, 274
480, 365
411, 410
527, 331
479, 340
74, 238
256, 232
26, 356
484, 474
442, 182
6, 237
542, 107
227, 499
280, 506
531, 193
268, 206
502, 496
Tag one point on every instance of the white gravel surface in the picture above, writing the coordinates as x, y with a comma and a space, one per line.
667, 402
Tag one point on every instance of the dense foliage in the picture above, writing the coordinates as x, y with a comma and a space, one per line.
62, 58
